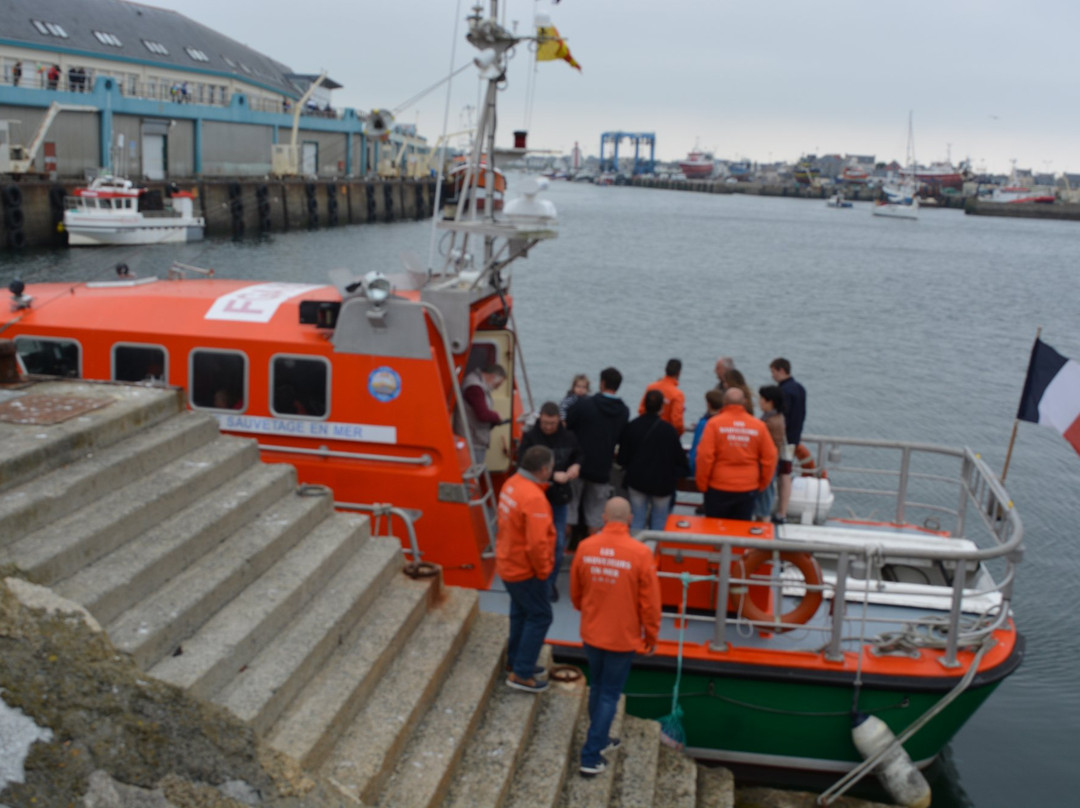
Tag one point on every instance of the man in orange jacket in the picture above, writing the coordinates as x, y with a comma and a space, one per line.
613, 583
524, 558
674, 398
736, 458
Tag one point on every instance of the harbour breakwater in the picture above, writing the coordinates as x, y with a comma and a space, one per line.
971, 205
33, 211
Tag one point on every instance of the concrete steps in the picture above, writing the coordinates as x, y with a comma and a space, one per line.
221, 577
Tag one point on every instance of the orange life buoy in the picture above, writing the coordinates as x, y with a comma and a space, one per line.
806, 462
808, 606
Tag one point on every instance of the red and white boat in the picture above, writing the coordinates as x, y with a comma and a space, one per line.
1016, 194
941, 175
111, 210
698, 165
465, 176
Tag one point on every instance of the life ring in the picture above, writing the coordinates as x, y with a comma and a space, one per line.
806, 463
811, 600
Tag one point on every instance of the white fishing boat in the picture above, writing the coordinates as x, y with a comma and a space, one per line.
112, 210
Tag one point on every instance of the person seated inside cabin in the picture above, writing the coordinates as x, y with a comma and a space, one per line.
287, 402
224, 400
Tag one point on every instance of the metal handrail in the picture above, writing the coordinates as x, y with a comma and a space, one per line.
377, 509
978, 487
322, 451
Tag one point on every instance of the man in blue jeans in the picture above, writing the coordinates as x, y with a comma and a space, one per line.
524, 557
613, 583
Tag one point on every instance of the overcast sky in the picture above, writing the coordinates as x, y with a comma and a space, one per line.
989, 80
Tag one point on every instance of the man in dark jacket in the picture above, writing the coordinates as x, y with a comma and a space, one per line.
794, 400
654, 460
550, 432
597, 421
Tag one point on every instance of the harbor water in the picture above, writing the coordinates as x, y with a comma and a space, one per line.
900, 330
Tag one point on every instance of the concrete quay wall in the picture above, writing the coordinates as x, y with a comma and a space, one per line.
32, 211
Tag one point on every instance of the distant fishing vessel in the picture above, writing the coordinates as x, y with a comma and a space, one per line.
112, 210
698, 165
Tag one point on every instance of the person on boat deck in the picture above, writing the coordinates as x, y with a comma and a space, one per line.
476, 389
549, 431
524, 558
598, 421
735, 459
734, 379
723, 365
714, 402
579, 388
674, 398
771, 401
794, 416
654, 460
613, 583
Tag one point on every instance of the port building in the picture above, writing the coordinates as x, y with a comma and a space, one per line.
151, 94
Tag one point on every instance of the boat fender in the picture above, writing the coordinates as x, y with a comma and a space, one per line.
57, 194
897, 774
14, 218
234, 190
309, 189
312, 205
12, 195
806, 462
16, 239
811, 600
262, 192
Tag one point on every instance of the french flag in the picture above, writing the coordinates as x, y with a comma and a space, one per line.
1052, 393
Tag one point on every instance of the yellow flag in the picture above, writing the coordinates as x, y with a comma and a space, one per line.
550, 46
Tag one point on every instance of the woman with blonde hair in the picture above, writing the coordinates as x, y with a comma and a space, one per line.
734, 378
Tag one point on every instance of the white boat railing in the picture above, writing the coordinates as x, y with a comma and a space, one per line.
941, 616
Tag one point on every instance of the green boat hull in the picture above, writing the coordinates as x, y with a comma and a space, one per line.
799, 719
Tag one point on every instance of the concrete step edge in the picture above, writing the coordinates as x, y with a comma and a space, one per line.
27, 456
379, 669
58, 550
365, 754
676, 780
636, 770
273, 677
266, 601
487, 767
97, 473
547, 761
427, 765
715, 787
589, 792
133, 572
157, 625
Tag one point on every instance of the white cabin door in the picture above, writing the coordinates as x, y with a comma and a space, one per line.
309, 158
153, 149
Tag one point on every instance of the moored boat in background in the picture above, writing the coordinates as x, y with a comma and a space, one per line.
698, 165
112, 210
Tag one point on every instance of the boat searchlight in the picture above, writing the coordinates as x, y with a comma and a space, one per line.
377, 288
18, 299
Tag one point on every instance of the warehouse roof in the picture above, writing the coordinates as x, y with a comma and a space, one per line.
132, 32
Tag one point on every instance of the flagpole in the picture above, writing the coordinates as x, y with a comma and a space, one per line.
1016, 423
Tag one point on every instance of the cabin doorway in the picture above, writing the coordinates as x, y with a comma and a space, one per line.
497, 347
309, 158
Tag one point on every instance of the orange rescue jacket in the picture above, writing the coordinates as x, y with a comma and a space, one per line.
525, 540
736, 452
613, 583
674, 402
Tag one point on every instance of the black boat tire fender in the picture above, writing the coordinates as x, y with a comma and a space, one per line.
811, 600
12, 196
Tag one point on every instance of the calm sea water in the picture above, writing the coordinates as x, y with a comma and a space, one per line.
899, 330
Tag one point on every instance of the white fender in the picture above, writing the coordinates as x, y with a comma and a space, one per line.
897, 773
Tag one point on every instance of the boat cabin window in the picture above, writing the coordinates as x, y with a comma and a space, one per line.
481, 355
218, 380
300, 386
139, 363
49, 357
105, 203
